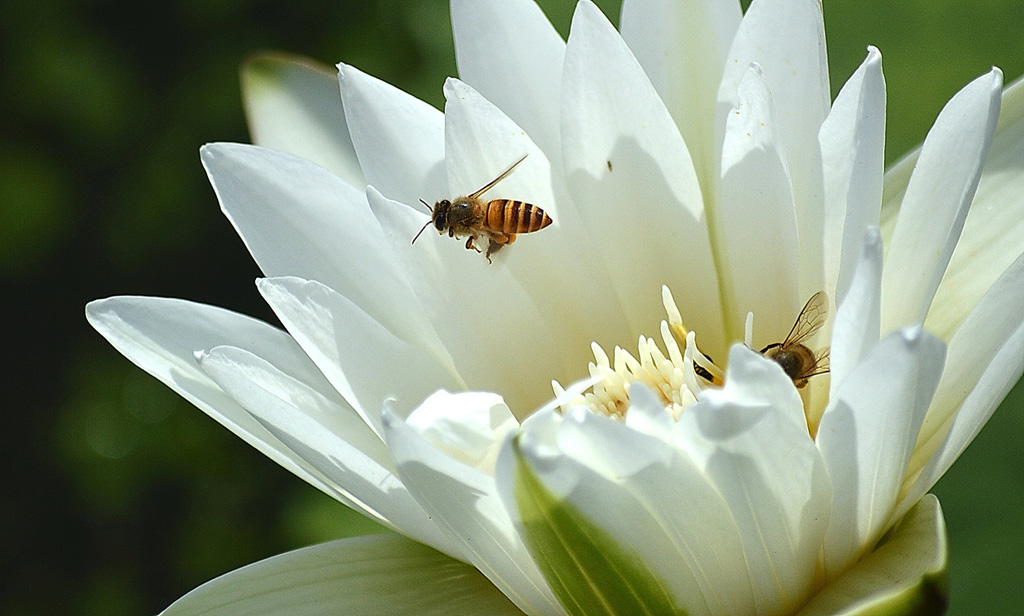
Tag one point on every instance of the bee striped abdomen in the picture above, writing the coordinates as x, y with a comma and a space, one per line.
510, 217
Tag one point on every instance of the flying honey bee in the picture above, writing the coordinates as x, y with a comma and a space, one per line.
499, 220
799, 362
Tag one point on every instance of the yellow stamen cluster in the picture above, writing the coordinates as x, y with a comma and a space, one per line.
677, 377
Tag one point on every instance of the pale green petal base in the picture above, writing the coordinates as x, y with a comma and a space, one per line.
907, 575
382, 575
589, 572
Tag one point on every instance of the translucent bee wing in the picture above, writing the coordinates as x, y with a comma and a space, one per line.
812, 317
492, 183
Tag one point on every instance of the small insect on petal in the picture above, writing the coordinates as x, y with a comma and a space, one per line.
498, 221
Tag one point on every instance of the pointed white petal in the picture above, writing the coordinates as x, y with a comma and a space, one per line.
399, 139
464, 503
937, 200
633, 178
867, 435
751, 440
364, 360
509, 52
796, 71
856, 328
986, 357
757, 220
682, 47
993, 234
852, 140
299, 220
161, 336
330, 439
488, 323
386, 575
292, 104
557, 266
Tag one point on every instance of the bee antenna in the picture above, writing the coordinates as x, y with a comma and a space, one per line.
427, 205
422, 229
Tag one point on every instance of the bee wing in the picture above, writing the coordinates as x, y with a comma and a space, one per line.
811, 318
501, 177
820, 366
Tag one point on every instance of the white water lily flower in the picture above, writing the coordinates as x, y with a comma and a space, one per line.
692, 163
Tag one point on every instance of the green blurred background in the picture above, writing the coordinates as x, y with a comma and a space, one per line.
116, 497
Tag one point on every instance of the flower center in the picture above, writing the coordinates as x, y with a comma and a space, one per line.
677, 377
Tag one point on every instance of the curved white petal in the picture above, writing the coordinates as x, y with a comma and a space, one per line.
386, 575
399, 139
937, 200
509, 52
852, 140
292, 104
161, 336
993, 234
682, 46
856, 328
796, 71
867, 436
463, 502
329, 438
756, 219
557, 266
497, 338
984, 357
634, 182
364, 360
750, 438
666, 510
298, 219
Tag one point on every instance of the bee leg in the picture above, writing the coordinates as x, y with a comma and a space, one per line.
493, 246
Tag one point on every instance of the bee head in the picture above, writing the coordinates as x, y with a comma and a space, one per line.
439, 215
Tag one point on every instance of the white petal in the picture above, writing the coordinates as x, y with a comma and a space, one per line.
751, 440
292, 104
472, 436
985, 359
856, 328
161, 336
867, 435
796, 70
464, 503
399, 139
558, 266
299, 220
993, 234
852, 140
1002, 374
364, 360
633, 178
666, 510
386, 575
487, 322
329, 437
682, 47
937, 200
757, 219
509, 52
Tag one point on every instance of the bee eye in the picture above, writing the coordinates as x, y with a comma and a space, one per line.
441, 220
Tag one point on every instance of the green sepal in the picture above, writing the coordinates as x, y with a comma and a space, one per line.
589, 572
906, 575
